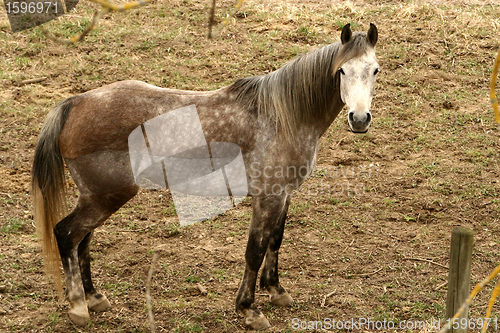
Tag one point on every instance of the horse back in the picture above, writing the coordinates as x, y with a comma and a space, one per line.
102, 119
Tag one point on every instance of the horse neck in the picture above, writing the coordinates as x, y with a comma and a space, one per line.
322, 113
327, 115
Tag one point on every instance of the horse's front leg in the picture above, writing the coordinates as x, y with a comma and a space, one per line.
269, 279
266, 215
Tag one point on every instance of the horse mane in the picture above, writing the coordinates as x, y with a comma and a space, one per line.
301, 91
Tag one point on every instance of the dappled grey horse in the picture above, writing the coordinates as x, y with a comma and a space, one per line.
276, 120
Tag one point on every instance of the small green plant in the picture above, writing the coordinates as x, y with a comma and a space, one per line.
334, 201
170, 210
119, 288
173, 229
189, 327
298, 207
54, 317
220, 274
408, 218
13, 225
193, 279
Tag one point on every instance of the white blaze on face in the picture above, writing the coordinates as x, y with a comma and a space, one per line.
357, 81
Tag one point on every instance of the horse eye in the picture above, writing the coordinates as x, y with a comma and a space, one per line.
376, 71
341, 71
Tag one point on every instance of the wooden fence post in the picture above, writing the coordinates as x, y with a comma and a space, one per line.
459, 276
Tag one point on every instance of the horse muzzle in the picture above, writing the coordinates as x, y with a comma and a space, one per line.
359, 121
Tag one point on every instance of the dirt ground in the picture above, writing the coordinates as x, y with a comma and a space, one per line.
366, 237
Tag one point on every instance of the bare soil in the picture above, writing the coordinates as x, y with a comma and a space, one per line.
366, 237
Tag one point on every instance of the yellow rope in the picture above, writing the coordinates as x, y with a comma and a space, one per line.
474, 292
121, 7
225, 22
479, 286
107, 6
493, 97
81, 35
494, 103
494, 295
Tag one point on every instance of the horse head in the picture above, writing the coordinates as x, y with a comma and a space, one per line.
357, 80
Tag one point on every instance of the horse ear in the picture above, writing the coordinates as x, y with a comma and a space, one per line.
346, 34
372, 35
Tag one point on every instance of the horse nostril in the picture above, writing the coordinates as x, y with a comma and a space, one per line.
360, 118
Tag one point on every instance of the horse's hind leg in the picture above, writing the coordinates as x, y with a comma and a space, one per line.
266, 214
269, 279
73, 237
96, 301
70, 232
